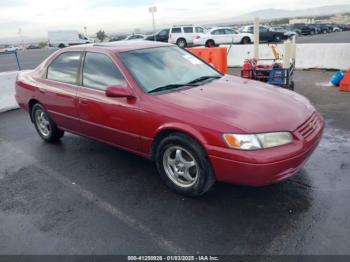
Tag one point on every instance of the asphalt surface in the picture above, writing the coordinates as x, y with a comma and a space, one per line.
79, 196
336, 37
29, 59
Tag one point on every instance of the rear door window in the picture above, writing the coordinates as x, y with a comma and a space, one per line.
65, 68
218, 32
100, 71
188, 29
176, 30
199, 30
229, 31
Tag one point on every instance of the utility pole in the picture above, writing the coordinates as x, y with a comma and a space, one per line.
152, 10
256, 37
20, 37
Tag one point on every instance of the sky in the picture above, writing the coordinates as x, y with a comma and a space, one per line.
35, 17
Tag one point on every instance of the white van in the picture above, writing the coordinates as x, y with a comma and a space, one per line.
64, 38
183, 35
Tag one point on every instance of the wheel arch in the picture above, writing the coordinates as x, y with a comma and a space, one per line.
246, 37
31, 103
210, 40
168, 129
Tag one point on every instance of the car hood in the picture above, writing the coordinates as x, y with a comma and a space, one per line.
246, 105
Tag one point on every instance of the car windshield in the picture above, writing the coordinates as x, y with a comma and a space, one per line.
153, 68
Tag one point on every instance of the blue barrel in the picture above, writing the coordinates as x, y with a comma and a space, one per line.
336, 78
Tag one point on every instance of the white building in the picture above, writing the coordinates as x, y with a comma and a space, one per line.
302, 21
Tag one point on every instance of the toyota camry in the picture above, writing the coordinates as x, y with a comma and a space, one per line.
163, 103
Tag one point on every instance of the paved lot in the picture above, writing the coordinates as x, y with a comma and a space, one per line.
82, 197
337, 37
29, 59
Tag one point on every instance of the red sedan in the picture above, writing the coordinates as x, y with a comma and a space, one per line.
161, 102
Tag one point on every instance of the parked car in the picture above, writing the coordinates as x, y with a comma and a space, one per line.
222, 35
336, 28
117, 38
163, 103
286, 32
293, 29
64, 38
344, 27
7, 48
183, 35
135, 37
266, 33
33, 46
161, 36
305, 29
323, 28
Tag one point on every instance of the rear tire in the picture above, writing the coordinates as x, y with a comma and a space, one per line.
181, 42
210, 43
245, 40
184, 165
44, 125
277, 39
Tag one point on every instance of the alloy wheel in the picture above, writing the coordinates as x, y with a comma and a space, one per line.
180, 166
42, 122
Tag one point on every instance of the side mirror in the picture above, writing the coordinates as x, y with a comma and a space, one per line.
119, 91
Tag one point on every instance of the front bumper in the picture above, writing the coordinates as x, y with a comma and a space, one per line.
264, 167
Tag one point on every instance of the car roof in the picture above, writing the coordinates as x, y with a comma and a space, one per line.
124, 46
221, 27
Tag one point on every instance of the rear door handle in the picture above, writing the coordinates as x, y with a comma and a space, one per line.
83, 101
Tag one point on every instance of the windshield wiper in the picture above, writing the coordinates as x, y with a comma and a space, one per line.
168, 87
202, 78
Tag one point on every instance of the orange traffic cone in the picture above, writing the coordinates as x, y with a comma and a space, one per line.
345, 83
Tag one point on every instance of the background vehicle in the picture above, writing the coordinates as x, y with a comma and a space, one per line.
266, 33
161, 36
337, 28
344, 27
135, 37
7, 48
33, 46
183, 35
292, 28
286, 32
323, 29
305, 29
64, 38
222, 35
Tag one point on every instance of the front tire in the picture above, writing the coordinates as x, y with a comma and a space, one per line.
184, 165
44, 125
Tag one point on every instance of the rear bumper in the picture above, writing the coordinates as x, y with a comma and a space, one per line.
260, 172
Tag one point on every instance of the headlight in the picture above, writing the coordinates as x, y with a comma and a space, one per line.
257, 141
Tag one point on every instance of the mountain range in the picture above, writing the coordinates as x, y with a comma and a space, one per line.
269, 14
